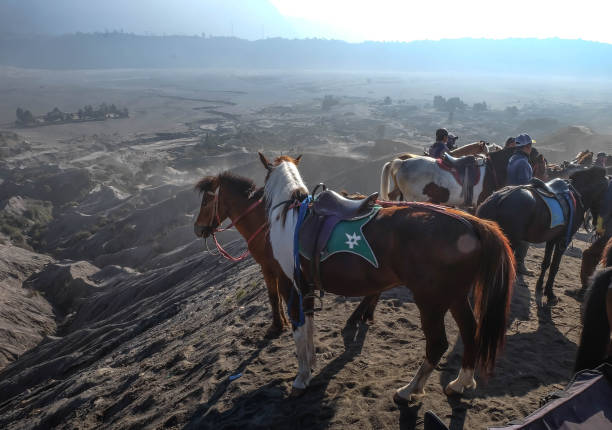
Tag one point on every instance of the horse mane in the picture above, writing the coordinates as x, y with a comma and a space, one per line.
239, 184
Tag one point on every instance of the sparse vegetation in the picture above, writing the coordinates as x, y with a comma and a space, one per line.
328, 102
56, 116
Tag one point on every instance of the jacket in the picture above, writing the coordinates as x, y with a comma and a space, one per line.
519, 171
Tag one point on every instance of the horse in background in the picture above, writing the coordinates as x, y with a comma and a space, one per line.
524, 216
443, 255
595, 344
421, 178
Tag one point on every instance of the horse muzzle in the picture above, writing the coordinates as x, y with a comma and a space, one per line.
202, 231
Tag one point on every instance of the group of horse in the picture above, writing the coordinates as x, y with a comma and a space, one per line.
450, 259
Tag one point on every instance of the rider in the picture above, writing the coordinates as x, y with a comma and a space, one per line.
591, 255
437, 149
600, 160
519, 172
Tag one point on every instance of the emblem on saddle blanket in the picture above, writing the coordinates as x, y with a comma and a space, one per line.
347, 236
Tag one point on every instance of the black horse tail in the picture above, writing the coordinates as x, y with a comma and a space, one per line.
492, 291
595, 336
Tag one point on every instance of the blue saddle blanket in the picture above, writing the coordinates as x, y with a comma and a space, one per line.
556, 211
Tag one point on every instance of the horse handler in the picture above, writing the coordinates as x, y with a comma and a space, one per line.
592, 255
519, 172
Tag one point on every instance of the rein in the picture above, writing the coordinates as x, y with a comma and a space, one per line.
233, 223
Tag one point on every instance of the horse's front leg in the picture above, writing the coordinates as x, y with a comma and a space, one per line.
545, 265
304, 345
554, 268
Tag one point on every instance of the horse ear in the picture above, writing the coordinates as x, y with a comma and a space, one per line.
297, 159
265, 161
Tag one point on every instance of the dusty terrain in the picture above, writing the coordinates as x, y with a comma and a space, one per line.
115, 316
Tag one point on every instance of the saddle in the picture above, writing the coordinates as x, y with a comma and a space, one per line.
326, 211
558, 196
466, 171
555, 188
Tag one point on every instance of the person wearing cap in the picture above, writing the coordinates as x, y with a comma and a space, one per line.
603, 228
519, 172
452, 141
437, 149
600, 160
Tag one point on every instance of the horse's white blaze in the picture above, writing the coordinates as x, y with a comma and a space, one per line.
304, 346
416, 387
415, 173
465, 379
284, 179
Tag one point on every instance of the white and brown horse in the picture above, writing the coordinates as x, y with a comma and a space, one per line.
441, 254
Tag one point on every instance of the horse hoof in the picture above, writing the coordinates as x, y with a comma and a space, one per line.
400, 401
297, 392
273, 332
552, 300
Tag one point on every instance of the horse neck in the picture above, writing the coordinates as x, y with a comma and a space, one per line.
282, 184
236, 204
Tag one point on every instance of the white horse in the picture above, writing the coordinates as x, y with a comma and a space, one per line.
420, 179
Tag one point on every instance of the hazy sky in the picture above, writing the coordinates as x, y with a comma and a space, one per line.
352, 20
405, 20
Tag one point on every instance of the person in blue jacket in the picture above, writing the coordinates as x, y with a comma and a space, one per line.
519, 172
437, 149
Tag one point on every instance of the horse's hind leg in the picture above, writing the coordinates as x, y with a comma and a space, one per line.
432, 322
464, 316
554, 268
545, 264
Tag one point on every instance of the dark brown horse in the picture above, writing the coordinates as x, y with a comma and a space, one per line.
439, 253
595, 341
523, 216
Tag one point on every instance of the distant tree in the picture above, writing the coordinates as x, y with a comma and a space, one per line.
439, 103
480, 107
89, 112
512, 111
54, 115
455, 103
19, 114
328, 102
387, 101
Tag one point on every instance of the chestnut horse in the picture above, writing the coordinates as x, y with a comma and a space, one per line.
595, 344
439, 253
231, 196
421, 179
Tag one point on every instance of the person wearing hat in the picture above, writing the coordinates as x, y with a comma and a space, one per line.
601, 160
437, 149
519, 172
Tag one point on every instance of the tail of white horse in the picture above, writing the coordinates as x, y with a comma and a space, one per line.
389, 171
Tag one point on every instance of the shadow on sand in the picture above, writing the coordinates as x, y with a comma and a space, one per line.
280, 411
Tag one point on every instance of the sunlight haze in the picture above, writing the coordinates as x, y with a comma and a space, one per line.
396, 20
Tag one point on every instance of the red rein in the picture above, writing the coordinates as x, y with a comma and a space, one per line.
222, 251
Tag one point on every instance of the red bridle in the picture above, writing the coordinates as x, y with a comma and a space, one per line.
215, 217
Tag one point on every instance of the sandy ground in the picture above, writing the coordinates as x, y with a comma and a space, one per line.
155, 347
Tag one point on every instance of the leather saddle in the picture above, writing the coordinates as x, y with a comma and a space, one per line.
467, 175
555, 188
326, 211
330, 203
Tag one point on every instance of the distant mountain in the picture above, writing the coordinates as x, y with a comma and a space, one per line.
550, 57
249, 19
